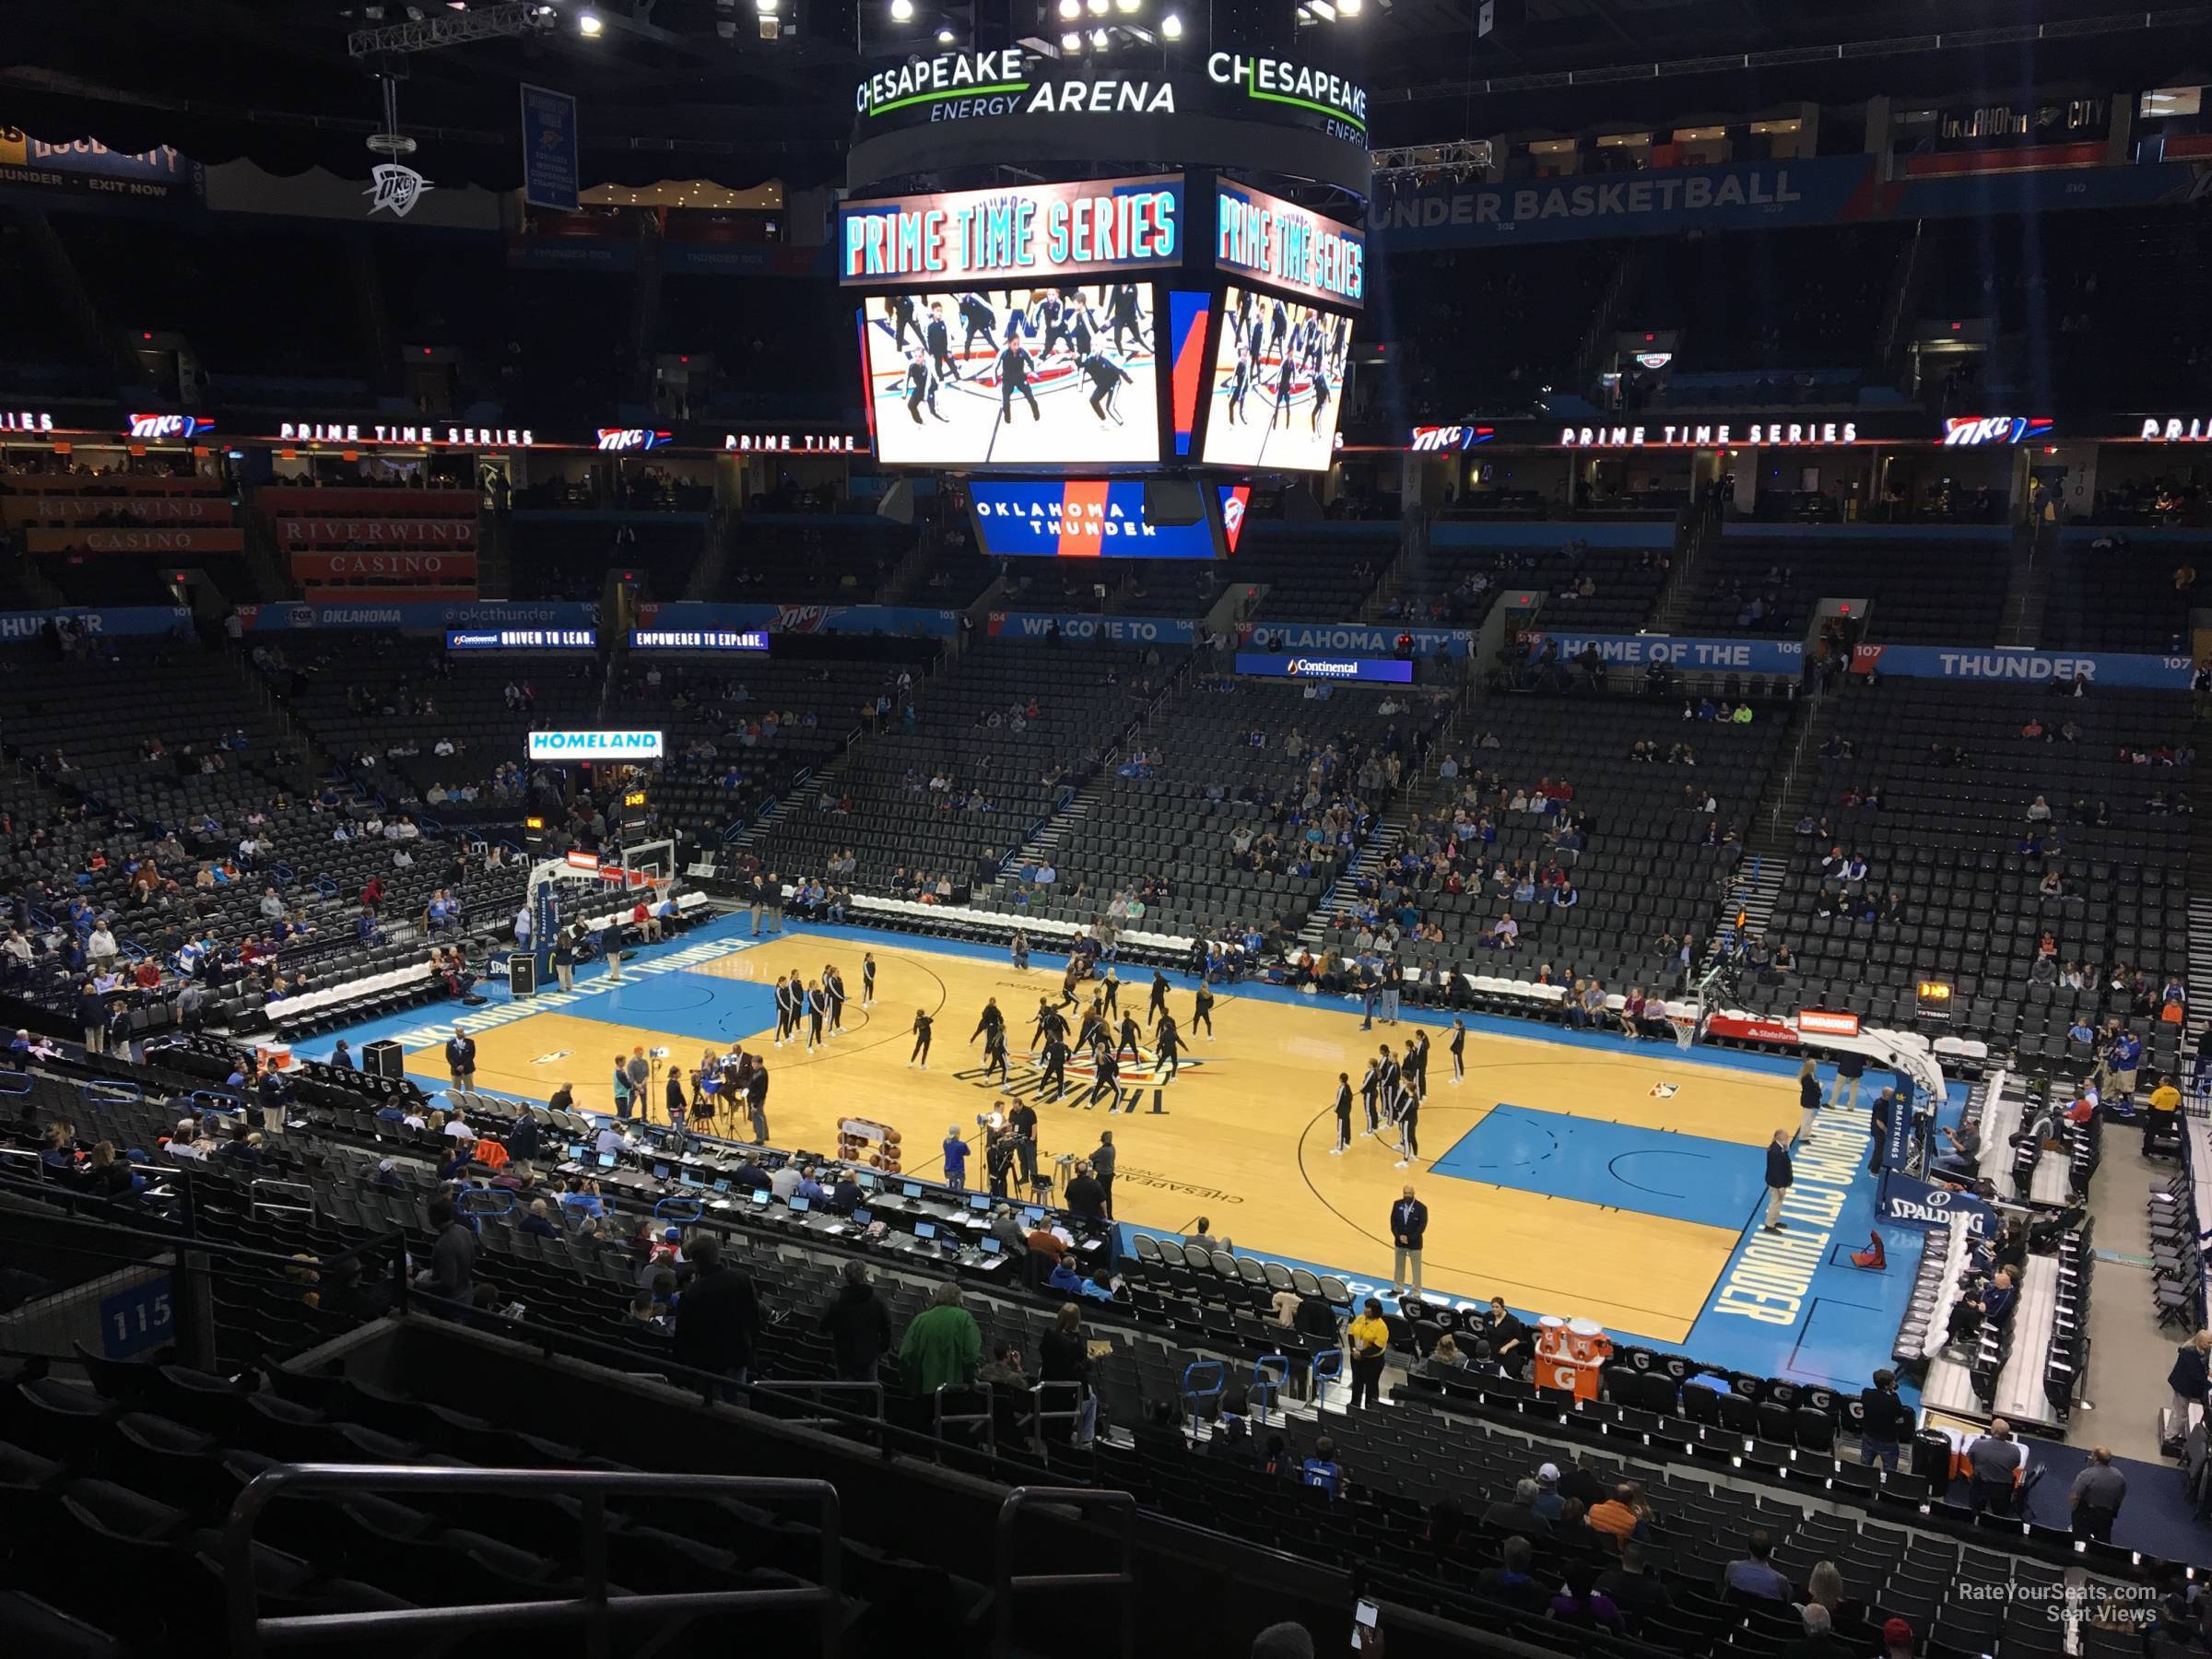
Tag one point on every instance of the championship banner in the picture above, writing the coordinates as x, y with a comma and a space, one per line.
549, 164
113, 539
459, 535
367, 503
81, 510
348, 568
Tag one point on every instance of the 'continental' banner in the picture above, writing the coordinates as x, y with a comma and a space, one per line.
84, 510
158, 538
364, 569
353, 534
87, 167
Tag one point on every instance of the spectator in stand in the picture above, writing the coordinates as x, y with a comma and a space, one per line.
2190, 1378
1820, 1641
1509, 1584
942, 1346
1632, 1586
451, 1274
1886, 1422
1754, 1575
1993, 1465
718, 1318
858, 1326
1520, 1515
1618, 1516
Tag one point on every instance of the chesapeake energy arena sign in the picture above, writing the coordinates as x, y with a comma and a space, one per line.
1235, 109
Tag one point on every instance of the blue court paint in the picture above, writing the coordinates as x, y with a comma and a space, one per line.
716, 1011
1621, 1166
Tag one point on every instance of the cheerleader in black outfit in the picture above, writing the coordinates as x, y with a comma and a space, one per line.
1167, 1045
1343, 1114
1201, 1010
921, 1054
1459, 1052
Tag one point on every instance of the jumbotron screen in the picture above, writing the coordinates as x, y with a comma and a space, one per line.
1277, 383
1058, 376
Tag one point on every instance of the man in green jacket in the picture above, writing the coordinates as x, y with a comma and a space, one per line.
942, 1346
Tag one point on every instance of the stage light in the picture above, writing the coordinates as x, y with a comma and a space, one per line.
1071, 8
1171, 27
1347, 8
588, 24
1071, 42
1099, 39
767, 8
1128, 6
903, 11
945, 37
1098, 7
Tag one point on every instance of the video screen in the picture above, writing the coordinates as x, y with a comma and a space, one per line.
1278, 380
1014, 377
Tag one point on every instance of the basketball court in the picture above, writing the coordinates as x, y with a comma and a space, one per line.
1574, 1173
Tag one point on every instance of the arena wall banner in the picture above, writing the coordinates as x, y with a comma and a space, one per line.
1747, 195
1359, 638
902, 619
420, 616
80, 510
26, 628
1756, 530
1112, 631
1542, 532
366, 503
87, 167
1701, 655
2003, 666
298, 532
426, 570
1364, 670
131, 538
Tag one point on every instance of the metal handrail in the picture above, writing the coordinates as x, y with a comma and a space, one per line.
596, 1607
1007, 1584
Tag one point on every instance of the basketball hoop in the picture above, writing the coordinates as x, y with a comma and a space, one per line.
1685, 1030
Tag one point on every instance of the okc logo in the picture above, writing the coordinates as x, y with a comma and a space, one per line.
1232, 515
801, 619
395, 187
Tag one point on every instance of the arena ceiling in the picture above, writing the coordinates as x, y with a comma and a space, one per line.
688, 89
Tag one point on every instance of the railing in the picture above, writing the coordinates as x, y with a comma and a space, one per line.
597, 1607
1007, 1584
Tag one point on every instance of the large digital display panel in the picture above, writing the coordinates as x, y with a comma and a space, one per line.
1278, 373
1280, 242
1058, 376
1081, 518
1020, 233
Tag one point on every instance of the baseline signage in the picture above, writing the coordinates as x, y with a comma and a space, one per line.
1112, 631
458, 534
2024, 668
985, 237
1387, 670
24, 628
1233, 109
1283, 244
595, 746
1639, 651
699, 639
1079, 518
521, 639
106, 538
